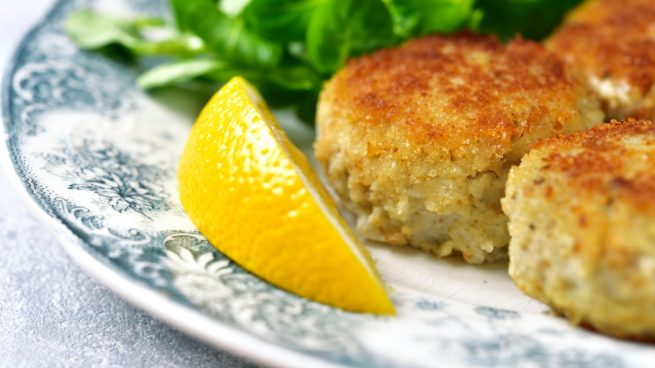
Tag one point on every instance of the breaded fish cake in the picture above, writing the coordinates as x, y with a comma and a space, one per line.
417, 140
582, 220
613, 42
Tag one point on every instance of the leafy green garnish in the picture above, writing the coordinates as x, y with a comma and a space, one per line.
280, 20
288, 48
225, 36
531, 18
95, 31
344, 28
178, 72
421, 17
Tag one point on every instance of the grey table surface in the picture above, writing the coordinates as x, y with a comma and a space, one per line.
51, 313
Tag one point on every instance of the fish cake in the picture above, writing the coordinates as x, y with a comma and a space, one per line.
581, 214
417, 140
613, 42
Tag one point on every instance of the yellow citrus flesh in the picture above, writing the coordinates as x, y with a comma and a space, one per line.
253, 194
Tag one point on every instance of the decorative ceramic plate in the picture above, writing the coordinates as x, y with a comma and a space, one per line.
96, 158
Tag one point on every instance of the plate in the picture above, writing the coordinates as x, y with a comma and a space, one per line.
96, 159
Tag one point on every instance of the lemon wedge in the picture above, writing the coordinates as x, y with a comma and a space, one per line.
255, 197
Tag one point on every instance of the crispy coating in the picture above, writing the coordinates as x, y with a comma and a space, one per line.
613, 41
605, 158
581, 211
417, 140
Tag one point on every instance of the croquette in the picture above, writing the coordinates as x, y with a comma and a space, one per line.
581, 214
417, 140
613, 43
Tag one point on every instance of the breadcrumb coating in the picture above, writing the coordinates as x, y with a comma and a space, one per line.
581, 211
613, 42
417, 140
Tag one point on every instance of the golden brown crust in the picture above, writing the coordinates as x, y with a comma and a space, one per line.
616, 160
494, 95
417, 140
581, 210
612, 39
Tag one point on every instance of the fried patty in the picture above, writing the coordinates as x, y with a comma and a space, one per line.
417, 140
613, 41
581, 215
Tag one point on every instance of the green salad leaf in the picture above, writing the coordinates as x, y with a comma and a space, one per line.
225, 36
288, 48
343, 28
95, 31
178, 72
91, 30
533, 19
280, 20
421, 17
